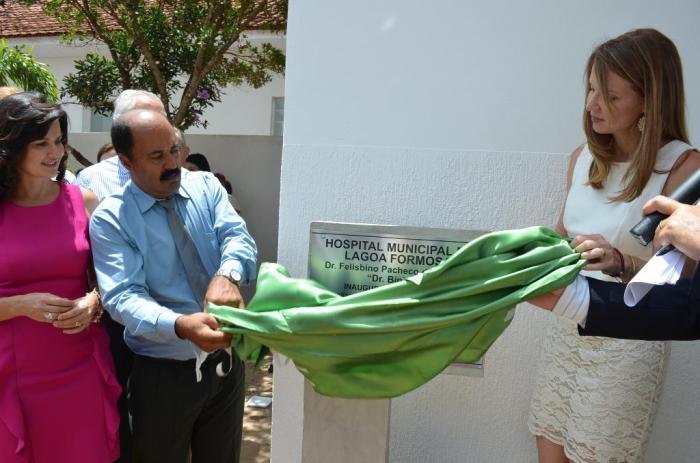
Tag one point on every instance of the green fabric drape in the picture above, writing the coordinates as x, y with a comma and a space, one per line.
389, 340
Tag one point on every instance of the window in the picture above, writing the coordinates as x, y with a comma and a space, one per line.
99, 123
277, 116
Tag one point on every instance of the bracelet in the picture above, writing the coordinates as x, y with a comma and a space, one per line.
631, 268
634, 268
622, 261
97, 316
622, 265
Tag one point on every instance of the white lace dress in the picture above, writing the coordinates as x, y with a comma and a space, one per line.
597, 396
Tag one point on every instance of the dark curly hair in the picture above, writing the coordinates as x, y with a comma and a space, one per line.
24, 118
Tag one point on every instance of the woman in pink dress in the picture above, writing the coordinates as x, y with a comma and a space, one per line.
58, 392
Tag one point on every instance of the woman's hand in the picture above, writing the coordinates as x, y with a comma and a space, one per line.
79, 317
41, 307
600, 254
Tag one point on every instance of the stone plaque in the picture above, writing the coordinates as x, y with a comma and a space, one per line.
348, 258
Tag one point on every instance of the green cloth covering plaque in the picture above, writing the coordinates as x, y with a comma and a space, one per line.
389, 340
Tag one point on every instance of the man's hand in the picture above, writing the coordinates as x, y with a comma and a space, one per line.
222, 291
681, 228
547, 301
201, 328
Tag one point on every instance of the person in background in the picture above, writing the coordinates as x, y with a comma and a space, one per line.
7, 91
58, 391
229, 189
224, 182
197, 162
184, 147
106, 151
595, 397
108, 177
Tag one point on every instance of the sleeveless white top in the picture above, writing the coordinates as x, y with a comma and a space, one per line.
597, 396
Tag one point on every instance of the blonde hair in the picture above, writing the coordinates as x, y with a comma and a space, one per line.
7, 91
649, 61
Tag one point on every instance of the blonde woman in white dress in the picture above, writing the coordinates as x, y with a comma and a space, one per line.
595, 398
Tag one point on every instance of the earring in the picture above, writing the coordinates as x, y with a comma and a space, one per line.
641, 122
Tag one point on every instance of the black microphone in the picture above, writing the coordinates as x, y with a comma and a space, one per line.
687, 192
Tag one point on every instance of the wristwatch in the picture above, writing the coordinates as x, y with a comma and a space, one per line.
232, 275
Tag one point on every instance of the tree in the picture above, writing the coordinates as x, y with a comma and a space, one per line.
185, 51
18, 67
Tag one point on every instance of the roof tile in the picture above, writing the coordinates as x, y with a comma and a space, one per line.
18, 20
26, 21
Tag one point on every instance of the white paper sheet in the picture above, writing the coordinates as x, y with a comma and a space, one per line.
660, 270
259, 401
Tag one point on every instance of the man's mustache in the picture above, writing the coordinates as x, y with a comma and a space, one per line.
168, 174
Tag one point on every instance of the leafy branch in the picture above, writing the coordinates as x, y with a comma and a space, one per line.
18, 67
185, 51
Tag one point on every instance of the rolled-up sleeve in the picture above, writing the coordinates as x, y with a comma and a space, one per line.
122, 281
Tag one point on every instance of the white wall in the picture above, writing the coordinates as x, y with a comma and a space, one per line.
242, 111
442, 114
77, 115
246, 110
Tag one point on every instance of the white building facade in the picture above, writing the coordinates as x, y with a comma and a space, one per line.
460, 115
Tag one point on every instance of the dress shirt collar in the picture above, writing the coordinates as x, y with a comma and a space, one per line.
114, 160
122, 172
145, 201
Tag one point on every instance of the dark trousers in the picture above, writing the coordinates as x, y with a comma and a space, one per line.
171, 412
123, 362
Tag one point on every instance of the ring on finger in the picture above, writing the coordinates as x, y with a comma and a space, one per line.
48, 315
77, 324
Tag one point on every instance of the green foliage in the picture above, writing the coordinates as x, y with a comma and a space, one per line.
18, 67
185, 51
102, 75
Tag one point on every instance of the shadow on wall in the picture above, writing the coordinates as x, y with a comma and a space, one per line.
251, 163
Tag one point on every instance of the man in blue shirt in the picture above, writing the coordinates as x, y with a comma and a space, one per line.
148, 285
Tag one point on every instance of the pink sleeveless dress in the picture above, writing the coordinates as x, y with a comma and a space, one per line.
58, 392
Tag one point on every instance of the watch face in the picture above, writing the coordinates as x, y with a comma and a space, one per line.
233, 275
